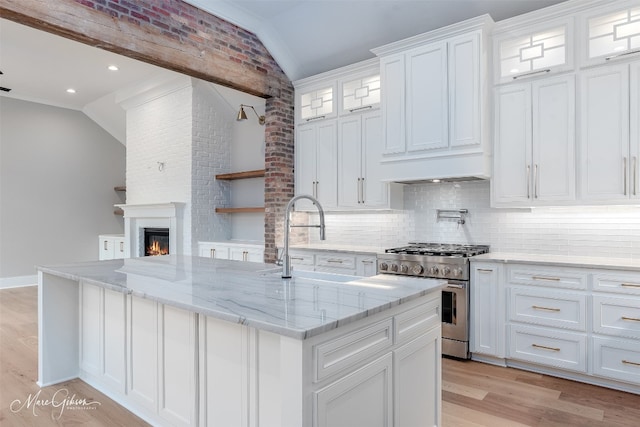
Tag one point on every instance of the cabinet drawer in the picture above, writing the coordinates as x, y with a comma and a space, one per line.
346, 351
616, 358
555, 277
617, 316
549, 347
336, 261
302, 258
618, 283
417, 321
555, 309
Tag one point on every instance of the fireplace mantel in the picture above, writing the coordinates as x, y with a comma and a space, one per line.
137, 217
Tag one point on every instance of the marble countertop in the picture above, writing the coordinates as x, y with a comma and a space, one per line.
249, 293
560, 260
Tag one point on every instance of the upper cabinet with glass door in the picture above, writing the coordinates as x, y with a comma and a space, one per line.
611, 33
351, 89
532, 50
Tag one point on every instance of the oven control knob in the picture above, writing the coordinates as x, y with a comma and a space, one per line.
383, 266
457, 272
446, 271
417, 269
433, 270
394, 267
403, 268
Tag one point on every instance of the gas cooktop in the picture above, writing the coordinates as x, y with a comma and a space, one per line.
439, 249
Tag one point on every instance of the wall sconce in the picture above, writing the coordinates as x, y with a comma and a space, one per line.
243, 116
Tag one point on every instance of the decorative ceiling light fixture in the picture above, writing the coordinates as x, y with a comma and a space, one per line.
71, 90
243, 116
113, 68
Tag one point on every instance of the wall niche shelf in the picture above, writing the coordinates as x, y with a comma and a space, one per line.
241, 175
240, 210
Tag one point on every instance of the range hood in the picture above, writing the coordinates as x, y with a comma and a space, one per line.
437, 180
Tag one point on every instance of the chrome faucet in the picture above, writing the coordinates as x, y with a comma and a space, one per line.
286, 260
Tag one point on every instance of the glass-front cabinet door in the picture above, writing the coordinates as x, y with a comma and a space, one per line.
611, 34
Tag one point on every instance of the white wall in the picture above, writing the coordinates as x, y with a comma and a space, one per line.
608, 231
57, 173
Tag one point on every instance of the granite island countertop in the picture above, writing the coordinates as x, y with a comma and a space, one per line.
249, 293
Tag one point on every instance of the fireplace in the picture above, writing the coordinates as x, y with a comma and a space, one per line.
156, 241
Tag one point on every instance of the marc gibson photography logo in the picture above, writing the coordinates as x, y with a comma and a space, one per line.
59, 402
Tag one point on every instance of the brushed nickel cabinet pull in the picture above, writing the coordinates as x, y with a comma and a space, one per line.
624, 164
535, 181
121, 246
631, 52
544, 347
537, 307
335, 261
213, 253
635, 176
533, 73
484, 270
362, 189
315, 118
366, 261
106, 244
297, 258
627, 362
631, 319
629, 285
550, 279
360, 108
528, 181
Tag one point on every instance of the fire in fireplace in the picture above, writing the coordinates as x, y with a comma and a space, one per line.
156, 241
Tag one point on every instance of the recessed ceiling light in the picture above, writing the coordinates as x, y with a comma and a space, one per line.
513, 70
71, 90
435, 180
619, 48
113, 67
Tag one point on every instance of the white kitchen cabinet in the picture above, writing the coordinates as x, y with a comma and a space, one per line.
360, 91
316, 102
417, 374
610, 33
364, 397
534, 160
316, 163
360, 182
607, 159
102, 321
487, 323
524, 50
338, 262
238, 251
111, 246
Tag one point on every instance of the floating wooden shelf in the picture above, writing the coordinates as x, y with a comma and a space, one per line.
120, 188
240, 210
241, 175
118, 212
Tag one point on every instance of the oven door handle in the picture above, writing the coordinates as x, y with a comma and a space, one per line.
455, 286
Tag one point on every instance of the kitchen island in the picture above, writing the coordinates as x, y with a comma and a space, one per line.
195, 341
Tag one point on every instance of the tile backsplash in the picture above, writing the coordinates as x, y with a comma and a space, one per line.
608, 231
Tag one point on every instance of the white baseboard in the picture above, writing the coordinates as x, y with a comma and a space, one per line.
18, 281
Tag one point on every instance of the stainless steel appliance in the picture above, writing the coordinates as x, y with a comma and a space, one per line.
440, 261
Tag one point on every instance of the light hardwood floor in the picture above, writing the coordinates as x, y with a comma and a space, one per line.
474, 394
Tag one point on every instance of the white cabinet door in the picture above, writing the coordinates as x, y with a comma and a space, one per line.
177, 394
634, 148
240, 253
316, 171
464, 91
349, 161
535, 143
512, 151
91, 320
604, 139
427, 98
392, 74
366, 266
208, 250
417, 378
554, 139
487, 322
142, 384
254, 255
305, 166
363, 398
374, 192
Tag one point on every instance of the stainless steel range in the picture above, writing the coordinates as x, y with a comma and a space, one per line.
440, 261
